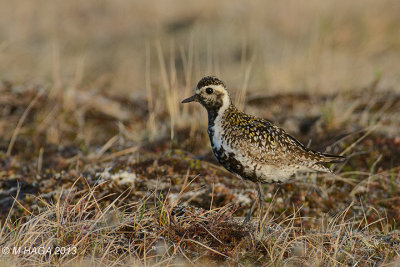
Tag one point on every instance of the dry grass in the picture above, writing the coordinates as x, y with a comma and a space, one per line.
122, 202
94, 146
286, 46
158, 233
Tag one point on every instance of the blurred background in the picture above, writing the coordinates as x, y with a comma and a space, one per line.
265, 45
152, 53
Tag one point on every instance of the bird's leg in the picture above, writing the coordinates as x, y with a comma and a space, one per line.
248, 216
260, 197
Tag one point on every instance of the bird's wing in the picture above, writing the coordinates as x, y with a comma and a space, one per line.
269, 144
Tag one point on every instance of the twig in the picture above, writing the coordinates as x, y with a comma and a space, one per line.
370, 130
120, 153
20, 122
207, 247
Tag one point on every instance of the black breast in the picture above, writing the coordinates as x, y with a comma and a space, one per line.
229, 161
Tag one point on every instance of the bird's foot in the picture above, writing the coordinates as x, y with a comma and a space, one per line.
247, 218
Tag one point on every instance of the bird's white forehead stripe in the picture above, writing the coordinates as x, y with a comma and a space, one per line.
218, 88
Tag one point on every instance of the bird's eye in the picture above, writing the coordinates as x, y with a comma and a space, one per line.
209, 90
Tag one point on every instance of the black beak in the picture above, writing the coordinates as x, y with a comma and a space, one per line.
190, 99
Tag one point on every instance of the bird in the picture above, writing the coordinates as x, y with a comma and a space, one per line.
253, 148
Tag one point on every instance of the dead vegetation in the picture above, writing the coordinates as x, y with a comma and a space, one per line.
120, 202
98, 156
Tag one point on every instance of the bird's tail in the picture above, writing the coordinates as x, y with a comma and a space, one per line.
328, 158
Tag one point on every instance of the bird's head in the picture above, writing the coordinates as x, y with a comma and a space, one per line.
211, 93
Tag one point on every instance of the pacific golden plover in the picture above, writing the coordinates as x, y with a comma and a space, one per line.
253, 148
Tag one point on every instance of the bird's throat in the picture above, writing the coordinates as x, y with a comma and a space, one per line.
215, 115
